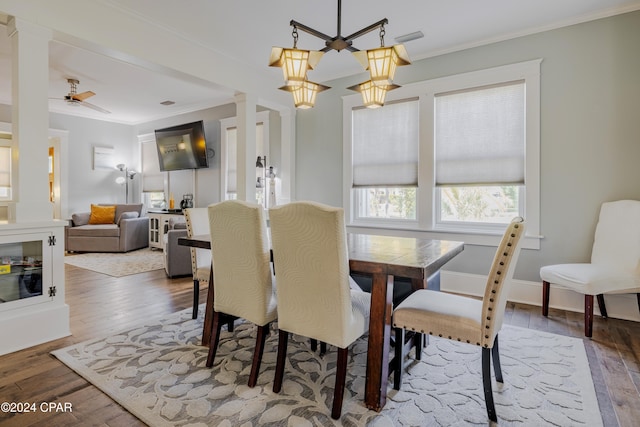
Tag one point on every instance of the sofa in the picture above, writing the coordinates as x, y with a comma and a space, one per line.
177, 258
108, 228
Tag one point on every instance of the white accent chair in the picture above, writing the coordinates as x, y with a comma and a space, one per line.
614, 266
464, 319
315, 300
242, 275
197, 220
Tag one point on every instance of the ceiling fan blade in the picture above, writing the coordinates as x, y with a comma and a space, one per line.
82, 96
95, 107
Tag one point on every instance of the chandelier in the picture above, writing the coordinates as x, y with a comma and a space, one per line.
380, 62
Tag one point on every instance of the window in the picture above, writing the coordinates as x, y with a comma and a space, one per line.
5, 171
152, 178
456, 156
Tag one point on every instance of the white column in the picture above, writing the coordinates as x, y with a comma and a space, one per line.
30, 121
246, 113
288, 153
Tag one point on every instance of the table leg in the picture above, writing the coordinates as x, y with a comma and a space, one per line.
379, 335
208, 313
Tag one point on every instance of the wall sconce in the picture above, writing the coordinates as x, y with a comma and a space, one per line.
128, 173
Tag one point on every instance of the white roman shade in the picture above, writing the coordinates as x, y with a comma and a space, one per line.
152, 177
480, 136
385, 145
5, 167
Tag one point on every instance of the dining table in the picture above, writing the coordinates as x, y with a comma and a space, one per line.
383, 258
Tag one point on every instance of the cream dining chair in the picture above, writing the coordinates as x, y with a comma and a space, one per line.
614, 266
197, 220
464, 319
315, 299
242, 275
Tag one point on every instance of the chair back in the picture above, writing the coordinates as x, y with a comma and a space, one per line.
617, 237
242, 259
197, 220
499, 281
312, 270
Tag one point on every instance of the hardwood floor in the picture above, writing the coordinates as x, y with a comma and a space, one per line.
101, 304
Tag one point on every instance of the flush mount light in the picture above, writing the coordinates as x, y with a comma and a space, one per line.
304, 96
295, 63
373, 95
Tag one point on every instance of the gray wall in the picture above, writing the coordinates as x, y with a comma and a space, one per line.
590, 132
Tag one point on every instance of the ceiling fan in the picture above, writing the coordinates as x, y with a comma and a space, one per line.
74, 98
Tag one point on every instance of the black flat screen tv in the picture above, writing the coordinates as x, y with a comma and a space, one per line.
182, 147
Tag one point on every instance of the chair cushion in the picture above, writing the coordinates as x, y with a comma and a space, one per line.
441, 314
94, 230
590, 279
102, 214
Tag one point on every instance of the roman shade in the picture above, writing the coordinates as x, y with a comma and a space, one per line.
152, 177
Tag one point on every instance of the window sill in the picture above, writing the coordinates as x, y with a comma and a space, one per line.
468, 237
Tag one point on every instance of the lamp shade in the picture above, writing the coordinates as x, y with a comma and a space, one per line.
373, 96
382, 62
304, 96
294, 63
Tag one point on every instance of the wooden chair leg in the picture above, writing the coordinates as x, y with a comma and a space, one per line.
603, 308
314, 344
399, 359
283, 338
588, 315
486, 381
495, 355
638, 297
418, 341
323, 348
341, 375
215, 337
196, 298
546, 287
261, 338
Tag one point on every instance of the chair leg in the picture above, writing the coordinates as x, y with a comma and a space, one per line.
283, 338
399, 358
341, 375
588, 315
323, 348
638, 297
215, 337
486, 381
196, 298
261, 338
418, 341
230, 324
495, 355
546, 287
314, 344
603, 308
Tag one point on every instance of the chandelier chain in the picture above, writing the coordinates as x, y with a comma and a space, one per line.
294, 34
382, 33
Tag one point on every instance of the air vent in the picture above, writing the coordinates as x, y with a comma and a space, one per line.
408, 37
167, 103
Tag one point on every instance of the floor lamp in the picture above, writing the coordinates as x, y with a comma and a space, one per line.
123, 179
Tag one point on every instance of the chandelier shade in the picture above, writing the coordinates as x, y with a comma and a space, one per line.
304, 96
382, 62
373, 95
294, 63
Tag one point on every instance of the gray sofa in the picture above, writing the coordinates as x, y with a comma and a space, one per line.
177, 258
129, 231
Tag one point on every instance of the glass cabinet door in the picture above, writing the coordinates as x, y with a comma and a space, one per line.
25, 269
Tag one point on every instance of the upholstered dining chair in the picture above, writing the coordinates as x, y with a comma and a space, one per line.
242, 275
315, 300
197, 220
614, 266
465, 319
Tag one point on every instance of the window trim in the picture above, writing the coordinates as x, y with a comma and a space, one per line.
529, 71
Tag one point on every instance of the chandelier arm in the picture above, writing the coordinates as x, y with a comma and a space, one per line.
368, 29
311, 31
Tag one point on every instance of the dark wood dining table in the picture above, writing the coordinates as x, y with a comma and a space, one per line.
383, 258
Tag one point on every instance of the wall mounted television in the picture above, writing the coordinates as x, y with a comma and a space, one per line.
182, 147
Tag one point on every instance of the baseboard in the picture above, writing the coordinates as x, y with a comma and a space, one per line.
619, 306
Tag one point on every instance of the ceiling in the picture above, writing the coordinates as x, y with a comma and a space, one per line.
133, 93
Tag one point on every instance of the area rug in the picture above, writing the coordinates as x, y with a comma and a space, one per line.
158, 373
118, 264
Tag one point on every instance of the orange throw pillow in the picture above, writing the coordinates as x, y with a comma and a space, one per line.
102, 214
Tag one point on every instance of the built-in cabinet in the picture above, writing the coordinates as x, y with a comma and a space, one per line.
158, 226
32, 289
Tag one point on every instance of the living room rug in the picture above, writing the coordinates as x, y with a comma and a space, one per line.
158, 373
118, 264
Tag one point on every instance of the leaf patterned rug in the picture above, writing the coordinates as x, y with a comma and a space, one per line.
118, 264
158, 373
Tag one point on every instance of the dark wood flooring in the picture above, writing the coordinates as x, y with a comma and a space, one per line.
102, 304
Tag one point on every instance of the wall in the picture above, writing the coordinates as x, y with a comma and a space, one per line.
590, 98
